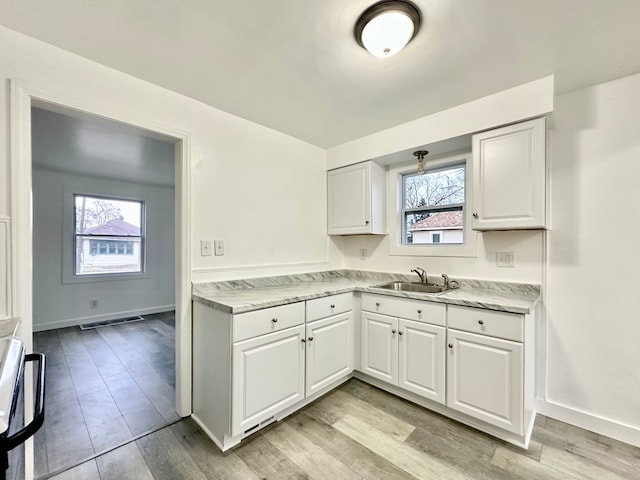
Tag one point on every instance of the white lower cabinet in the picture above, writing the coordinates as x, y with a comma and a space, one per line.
421, 368
485, 379
268, 376
405, 353
329, 345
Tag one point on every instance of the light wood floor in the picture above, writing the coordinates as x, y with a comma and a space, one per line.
105, 387
360, 432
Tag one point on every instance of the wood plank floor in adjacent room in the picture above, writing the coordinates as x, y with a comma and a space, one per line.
360, 432
104, 387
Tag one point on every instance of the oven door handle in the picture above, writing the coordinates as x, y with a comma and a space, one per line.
27, 431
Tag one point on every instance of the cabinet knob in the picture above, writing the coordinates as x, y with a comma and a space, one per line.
419, 311
274, 320
481, 322
332, 306
399, 332
450, 345
475, 215
366, 222
311, 339
303, 341
393, 332
377, 304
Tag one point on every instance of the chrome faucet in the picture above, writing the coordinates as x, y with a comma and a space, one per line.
421, 273
447, 283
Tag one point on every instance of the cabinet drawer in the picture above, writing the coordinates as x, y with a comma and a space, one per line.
327, 306
267, 320
487, 322
420, 311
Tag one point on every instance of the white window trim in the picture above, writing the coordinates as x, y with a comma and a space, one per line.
68, 233
394, 188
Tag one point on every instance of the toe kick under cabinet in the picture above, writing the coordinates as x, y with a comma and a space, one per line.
471, 364
253, 368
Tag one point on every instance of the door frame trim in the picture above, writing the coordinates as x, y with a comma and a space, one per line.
22, 96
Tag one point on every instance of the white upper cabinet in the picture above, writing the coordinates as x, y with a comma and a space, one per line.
356, 199
509, 176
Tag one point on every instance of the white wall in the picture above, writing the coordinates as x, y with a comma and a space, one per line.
244, 177
57, 304
526, 245
594, 264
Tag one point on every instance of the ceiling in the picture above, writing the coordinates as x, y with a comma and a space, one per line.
82, 144
294, 66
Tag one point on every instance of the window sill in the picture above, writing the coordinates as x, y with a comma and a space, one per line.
104, 277
469, 249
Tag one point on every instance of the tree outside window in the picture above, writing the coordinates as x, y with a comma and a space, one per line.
433, 206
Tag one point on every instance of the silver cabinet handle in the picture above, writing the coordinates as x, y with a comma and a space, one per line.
274, 320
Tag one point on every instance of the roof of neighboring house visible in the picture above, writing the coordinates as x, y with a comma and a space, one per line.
437, 221
117, 226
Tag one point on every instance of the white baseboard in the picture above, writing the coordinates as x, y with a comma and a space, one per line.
589, 421
72, 322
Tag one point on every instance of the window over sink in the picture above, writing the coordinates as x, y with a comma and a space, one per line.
431, 217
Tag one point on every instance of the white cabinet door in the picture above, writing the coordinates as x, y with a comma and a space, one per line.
356, 199
509, 176
268, 376
485, 379
329, 351
380, 347
422, 359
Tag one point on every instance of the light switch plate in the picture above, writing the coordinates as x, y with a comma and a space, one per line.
218, 246
205, 248
505, 259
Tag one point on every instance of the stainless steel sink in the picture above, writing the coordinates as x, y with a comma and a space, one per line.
413, 287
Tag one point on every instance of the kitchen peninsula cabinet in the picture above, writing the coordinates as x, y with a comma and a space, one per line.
252, 368
509, 177
356, 200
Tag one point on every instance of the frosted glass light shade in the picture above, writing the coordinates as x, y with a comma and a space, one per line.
386, 27
387, 34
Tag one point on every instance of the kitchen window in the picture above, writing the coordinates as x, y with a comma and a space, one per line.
108, 235
431, 217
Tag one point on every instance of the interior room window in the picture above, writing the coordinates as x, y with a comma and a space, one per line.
108, 235
433, 206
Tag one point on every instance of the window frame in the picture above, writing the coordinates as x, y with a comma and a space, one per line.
396, 210
443, 208
69, 234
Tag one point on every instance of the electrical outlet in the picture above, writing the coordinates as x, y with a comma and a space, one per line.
505, 259
205, 248
93, 303
363, 254
218, 245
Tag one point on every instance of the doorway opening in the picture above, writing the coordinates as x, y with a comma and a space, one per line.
24, 98
103, 251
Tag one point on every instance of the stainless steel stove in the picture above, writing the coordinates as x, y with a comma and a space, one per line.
12, 361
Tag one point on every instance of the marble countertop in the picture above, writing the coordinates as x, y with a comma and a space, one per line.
252, 294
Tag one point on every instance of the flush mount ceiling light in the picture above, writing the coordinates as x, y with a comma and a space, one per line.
420, 154
386, 27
